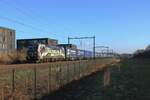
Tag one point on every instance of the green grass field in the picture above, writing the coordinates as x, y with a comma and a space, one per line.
132, 82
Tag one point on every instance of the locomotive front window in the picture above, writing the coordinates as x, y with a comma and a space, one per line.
42, 41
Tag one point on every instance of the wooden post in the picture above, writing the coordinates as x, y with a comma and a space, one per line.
34, 70
13, 80
67, 72
49, 79
2, 93
60, 76
79, 69
119, 65
13, 84
74, 72
106, 76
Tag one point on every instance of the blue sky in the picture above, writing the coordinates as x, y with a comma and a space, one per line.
123, 25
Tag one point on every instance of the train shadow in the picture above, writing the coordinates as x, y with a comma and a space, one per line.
81, 89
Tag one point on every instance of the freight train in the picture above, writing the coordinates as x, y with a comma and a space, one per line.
44, 53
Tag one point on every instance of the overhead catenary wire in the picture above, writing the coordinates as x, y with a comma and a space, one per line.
21, 23
37, 15
25, 13
29, 13
25, 25
22, 31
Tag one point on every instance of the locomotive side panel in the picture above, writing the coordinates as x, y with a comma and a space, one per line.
52, 52
44, 53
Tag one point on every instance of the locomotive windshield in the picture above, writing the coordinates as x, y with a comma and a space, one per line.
32, 52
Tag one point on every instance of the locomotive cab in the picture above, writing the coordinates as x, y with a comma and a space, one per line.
32, 53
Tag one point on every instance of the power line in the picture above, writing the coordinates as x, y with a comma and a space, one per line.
27, 25
26, 14
21, 23
81, 38
22, 31
36, 14
23, 12
20, 11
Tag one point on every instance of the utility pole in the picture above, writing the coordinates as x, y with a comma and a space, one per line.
105, 47
68, 40
94, 40
94, 47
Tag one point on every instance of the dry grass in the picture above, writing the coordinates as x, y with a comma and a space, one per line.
13, 57
50, 77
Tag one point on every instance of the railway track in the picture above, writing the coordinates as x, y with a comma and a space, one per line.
2, 66
7, 66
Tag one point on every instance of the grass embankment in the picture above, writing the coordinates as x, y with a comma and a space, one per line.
132, 82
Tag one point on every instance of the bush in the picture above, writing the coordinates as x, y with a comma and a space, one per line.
13, 57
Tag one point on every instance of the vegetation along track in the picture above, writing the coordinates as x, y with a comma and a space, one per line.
129, 81
28, 81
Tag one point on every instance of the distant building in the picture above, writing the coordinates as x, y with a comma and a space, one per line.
24, 43
7, 39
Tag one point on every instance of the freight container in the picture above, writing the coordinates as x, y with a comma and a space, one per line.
25, 43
